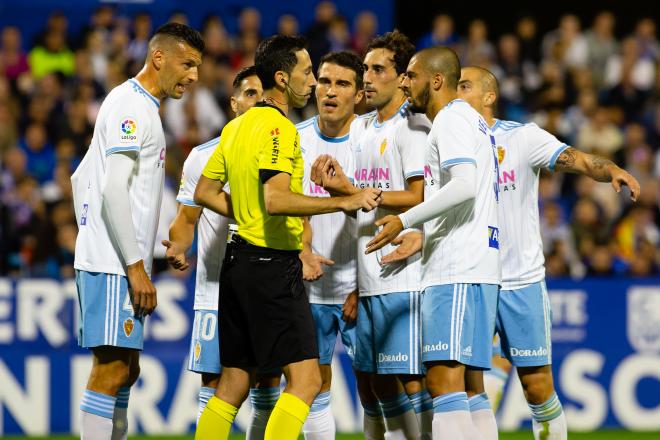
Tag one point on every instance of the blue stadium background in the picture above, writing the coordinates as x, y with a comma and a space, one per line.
592, 79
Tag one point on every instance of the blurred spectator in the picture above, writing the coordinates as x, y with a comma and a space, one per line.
39, 151
646, 38
477, 50
52, 56
530, 46
442, 33
317, 34
566, 44
137, 49
600, 135
249, 22
178, 17
630, 66
364, 29
601, 44
287, 25
339, 34
14, 60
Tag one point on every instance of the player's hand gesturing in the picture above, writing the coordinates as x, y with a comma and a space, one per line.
312, 265
407, 246
392, 227
175, 255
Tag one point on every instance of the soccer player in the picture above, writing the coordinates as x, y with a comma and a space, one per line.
333, 296
523, 311
117, 192
460, 257
389, 154
265, 318
212, 229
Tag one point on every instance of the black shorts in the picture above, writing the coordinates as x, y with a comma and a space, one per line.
265, 319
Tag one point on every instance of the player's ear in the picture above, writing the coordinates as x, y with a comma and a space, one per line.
437, 81
234, 104
157, 58
358, 96
489, 99
281, 78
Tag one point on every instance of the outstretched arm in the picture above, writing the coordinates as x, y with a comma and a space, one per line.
598, 168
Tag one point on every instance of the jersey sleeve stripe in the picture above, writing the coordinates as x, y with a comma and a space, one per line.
457, 160
414, 174
125, 149
187, 202
556, 154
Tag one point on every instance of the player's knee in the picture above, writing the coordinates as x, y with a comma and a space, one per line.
133, 374
107, 379
537, 390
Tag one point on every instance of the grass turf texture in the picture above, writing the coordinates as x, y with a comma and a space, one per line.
523, 435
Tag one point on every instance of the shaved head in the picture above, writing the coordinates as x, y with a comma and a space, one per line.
488, 81
443, 60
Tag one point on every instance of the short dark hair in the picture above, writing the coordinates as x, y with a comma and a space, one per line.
441, 59
399, 44
277, 53
182, 33
348, 60
240, 76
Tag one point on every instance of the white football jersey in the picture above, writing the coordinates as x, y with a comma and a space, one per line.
461, 245
334, 234
522, 150
212, 229
386, 155
128, 121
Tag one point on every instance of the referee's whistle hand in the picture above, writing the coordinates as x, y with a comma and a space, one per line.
142, 289
392, 227
367, 199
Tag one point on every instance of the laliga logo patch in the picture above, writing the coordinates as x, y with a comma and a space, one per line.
493, 237
643, 318
129, 325
383, 146
128, 130
198, 350
500, 153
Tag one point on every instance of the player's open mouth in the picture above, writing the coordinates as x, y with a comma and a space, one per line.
180, 88
329, 105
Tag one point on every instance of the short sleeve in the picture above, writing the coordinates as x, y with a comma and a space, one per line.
455, 139
411, 138
192, 169
544, 148
215, 167
126, 127
280, 147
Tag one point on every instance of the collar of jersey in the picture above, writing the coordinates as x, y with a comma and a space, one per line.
495, 125
137, 84
454, 101
327, 138
401, 111
265, 104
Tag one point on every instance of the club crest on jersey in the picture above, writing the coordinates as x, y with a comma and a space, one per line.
493, 237
500, 153
198, 350
383, 146
129, 325
128, 128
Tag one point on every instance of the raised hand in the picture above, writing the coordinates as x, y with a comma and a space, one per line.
407, 245
392, 227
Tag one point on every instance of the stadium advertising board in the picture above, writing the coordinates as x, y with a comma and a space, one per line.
606, 357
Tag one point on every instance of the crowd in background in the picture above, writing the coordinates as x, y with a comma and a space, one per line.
595, 91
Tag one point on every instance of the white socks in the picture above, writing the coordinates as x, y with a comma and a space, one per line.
483, 417
320, 423
96, 411
452, 420
549, 422
373, 423
263, 401
400, 419
205, 394
120, 416
423, 406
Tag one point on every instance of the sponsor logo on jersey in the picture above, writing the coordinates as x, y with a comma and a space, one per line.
128, 128
440, 346
526, 352
129, 325
399, 357
467, 351
383, 146
493, 237
275, 153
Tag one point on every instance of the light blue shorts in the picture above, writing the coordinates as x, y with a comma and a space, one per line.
327, 318
106, 312
204, 355
458, 322
524, 322
388, 339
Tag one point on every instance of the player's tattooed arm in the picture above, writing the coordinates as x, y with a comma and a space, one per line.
598, 168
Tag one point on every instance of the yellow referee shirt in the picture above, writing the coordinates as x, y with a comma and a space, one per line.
260, 139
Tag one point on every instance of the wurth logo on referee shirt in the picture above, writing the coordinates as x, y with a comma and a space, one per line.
275, 153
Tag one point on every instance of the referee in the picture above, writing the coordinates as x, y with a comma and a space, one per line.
265, 318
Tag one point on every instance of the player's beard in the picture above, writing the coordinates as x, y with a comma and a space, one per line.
421, 101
